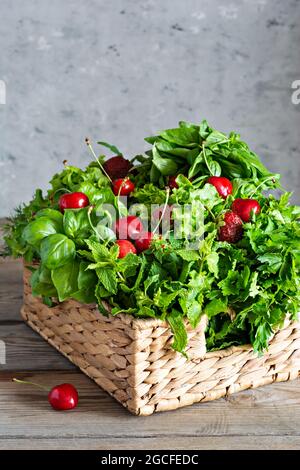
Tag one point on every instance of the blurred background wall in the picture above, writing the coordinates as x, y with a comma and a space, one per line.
118, 70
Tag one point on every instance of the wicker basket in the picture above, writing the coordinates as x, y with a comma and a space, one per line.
132, 359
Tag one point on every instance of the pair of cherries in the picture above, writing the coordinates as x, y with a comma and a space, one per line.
77, 200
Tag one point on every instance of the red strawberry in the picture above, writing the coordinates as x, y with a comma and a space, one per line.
222, 185
117, 167
172, 182
245, 207
232, 230
144, 241
125, 247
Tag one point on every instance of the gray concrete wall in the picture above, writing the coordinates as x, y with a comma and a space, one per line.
118, 70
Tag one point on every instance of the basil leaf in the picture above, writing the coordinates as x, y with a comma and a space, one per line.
65, 279
185, 136
52, 214
41, 283
57, 250
39, 229
76, 223
166, 166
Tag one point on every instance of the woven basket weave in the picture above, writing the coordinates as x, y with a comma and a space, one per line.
132, 359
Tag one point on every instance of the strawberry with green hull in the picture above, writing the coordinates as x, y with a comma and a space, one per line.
232, 230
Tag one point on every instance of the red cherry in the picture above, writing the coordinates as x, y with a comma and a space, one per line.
232, 230
144, 241
244, 208
129, 227
63, 397
117, 167
125, 247
222, 185
73, 201
122, 186
172, 182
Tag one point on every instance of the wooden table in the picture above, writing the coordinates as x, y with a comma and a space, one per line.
265, 418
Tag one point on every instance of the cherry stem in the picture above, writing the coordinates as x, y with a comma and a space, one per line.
261, 184
120, 276
61, 189
42, 387
91, 224
163, 211
88, 143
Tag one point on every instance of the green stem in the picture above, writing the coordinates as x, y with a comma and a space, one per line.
87, 141
164, 210
206, 162
61, 189
263, 182
42, 387
120, 276
91, 224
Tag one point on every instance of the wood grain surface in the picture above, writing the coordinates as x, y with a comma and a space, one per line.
265, 418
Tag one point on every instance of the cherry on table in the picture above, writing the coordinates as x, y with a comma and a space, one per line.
61, 397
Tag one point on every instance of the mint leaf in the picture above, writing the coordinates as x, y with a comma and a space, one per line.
214, 307
108, 279
178, 329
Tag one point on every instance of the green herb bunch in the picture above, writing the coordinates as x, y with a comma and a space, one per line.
247, 289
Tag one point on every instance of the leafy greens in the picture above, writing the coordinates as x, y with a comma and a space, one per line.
246, 289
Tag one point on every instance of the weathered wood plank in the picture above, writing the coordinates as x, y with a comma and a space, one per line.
269, 411
155, 443
11, 289
26, 350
